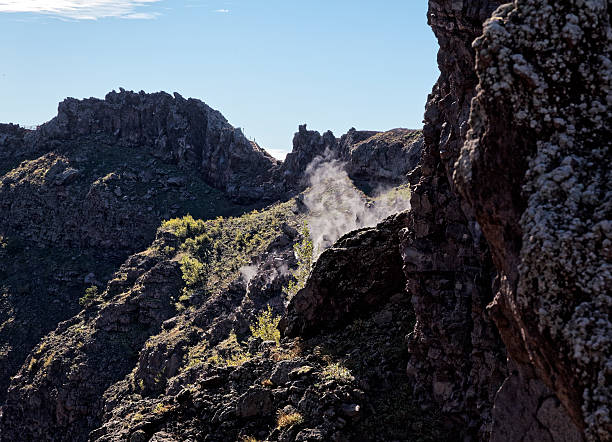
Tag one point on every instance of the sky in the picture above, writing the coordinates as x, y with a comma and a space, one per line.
266, 65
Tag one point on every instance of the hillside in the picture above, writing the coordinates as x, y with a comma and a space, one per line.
86, 190
163, 278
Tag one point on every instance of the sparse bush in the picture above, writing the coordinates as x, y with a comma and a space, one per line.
90, 296
231, 353
266, 327
337, 372
184, 227
161, 408
304, 254
194, 273
288, 419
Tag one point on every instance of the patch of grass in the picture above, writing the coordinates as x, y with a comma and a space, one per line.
304, 253
288, 419
266, 327
161, 408
137, 417
90, 297
337, 372
196, 355
229, 353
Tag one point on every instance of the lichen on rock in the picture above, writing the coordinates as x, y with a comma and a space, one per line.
540, 124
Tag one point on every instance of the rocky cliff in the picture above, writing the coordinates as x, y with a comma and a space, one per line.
482, 313
534, 195
535, 169
181, 131
456, 357
372, 158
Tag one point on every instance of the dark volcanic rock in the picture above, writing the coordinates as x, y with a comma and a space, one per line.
361, 271
380, 158
57, 395
456, 357
185, 132
536, 169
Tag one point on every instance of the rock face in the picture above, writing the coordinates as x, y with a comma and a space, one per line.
535, 169
134, 366
185, 132
456, 357
71, 212
381, 158
343, 284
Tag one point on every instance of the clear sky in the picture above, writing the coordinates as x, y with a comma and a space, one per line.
267, 65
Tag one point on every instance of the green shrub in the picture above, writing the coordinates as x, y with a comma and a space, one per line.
337, 372
194, 272
184, 227
90, 296
304, 253
266, 327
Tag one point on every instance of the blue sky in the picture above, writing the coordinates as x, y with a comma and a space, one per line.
267, 65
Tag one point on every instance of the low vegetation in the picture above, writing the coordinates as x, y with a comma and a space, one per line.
229, 353
213, 251
338, 372
266, 327
90, 297
285, 420
304, 251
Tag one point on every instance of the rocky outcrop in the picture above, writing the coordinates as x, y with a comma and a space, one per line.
69, 218
456, 358
170, 372
58, 393
343, 284
535, 169
387, 157
176, 130
379, 158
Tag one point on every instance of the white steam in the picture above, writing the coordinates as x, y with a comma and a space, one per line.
337, 207
248, 273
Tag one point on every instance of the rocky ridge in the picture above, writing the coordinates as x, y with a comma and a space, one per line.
89, 188
501, 344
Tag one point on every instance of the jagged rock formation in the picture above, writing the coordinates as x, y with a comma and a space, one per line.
70, 213
343, 284
167, 374
535, 168
456, 357
379, 158
87, 189
506, 308
184, 132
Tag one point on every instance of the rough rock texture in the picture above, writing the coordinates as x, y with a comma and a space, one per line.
70, 213
134, 366
456, 357
185, 132
361, 271
58, 392
380, 158
536, 170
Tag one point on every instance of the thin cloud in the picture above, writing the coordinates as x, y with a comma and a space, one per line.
81, 9
222, 11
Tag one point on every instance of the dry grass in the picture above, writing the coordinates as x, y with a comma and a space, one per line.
288, 419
